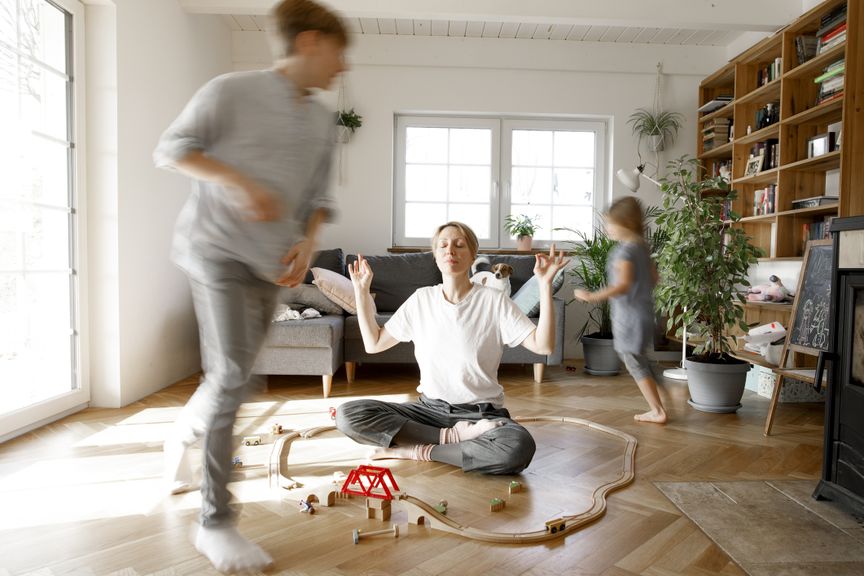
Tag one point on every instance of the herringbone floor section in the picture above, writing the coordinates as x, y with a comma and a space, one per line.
82, 496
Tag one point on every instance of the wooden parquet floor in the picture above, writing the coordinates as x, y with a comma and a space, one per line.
82, 496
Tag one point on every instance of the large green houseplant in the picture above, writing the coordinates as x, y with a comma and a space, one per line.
704, 265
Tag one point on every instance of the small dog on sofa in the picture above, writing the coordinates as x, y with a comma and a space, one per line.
496, 276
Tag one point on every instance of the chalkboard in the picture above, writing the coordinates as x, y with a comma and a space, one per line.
811, 318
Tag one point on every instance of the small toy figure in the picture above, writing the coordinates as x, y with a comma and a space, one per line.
276, 429
333, 413
515, 487
441, 507
496, 504
252, 440
774, 291
306, 507
237, 462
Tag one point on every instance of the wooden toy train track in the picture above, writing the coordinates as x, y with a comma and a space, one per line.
421, 512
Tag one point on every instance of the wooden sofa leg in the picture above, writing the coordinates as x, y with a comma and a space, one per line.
350, 368
538, 372
328, 384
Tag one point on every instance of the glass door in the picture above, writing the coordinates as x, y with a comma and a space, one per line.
41, 359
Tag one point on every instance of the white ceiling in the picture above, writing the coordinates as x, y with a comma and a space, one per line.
673, 22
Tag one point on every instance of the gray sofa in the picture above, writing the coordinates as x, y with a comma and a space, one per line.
320, 346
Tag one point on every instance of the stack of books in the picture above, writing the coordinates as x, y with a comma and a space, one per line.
715, 103
814, 201
763, 200
831, 81
806, 47
817, 230
832, 30
769, 72
715, 133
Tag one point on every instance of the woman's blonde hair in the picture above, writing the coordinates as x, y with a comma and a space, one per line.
470, 236
627, 212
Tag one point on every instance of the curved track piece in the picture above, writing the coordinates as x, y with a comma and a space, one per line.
417, 509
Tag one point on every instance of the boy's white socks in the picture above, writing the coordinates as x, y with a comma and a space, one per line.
229, 551
467, 430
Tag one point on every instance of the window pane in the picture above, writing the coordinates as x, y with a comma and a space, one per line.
574, 186
426, 145
12, 231
7, 20
44, 101
46, 241
541, 215
43, 34
580, 219
574, 149
470, 184
475, 215
470, 146
531, 186
35, 350
425, 183
422, 219
532, 148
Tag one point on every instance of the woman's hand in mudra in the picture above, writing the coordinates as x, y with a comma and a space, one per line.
547, 265
361, 274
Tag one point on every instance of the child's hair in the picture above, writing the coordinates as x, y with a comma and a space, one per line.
291, 17
470, 236
627, 213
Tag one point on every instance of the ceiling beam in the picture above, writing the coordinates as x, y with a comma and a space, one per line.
759, 15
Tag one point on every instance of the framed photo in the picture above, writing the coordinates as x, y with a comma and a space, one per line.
754, 165
820, 144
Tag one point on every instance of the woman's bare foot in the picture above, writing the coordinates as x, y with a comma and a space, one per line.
655, 417
420, 452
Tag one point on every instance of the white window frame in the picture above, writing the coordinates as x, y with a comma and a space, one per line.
29, 417
502, 127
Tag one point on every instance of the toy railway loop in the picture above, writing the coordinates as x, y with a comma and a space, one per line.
419, 511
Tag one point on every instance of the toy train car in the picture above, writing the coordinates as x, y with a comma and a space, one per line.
556, 525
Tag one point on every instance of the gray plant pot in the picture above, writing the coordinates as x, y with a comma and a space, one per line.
716, 387
600, 357
657, 143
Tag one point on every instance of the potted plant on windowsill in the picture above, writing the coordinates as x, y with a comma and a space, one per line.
659, 127
523, 227
703, 266
347, 121
590, 271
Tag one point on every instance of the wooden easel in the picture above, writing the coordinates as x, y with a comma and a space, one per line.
808, 330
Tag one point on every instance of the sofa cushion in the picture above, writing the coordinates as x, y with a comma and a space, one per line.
395, 277
329, 260
528, 297
308, 296
321, 332
337, 288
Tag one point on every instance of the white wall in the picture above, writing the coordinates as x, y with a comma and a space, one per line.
145, 60
393, 74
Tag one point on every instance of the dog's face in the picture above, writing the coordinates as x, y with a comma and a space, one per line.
502, 270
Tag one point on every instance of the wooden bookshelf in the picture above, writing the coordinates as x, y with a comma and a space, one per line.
791, 91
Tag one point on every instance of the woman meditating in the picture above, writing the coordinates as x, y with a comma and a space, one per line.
459, 330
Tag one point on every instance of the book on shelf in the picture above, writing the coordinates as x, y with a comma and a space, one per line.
715, 103
818, 230
831, 20
763, 200
806, 47
823, 98
814, 201
835, 69
769, 72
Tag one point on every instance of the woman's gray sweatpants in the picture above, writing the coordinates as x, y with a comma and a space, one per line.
234, 309
507, 449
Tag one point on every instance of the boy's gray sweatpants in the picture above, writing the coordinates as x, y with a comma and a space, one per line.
507, 449
234, 309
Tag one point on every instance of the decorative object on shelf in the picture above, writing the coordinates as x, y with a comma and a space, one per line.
754, 165
702, 250
347, 121
658, 126
820, 144
523, 228
773, 291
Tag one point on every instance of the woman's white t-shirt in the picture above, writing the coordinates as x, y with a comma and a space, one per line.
459, 346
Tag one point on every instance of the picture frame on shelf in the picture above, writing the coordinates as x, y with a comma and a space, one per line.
754, 165
820, 144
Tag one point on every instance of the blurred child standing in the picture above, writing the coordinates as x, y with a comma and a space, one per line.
630, 292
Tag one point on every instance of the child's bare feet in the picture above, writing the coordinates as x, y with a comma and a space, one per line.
655, 417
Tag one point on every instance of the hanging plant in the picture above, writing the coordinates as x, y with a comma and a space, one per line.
660, 127
347, 121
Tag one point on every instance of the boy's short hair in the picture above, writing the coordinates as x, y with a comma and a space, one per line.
291, 17
627, 212
470, 236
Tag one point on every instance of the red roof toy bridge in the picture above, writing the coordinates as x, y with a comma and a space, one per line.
369, 481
